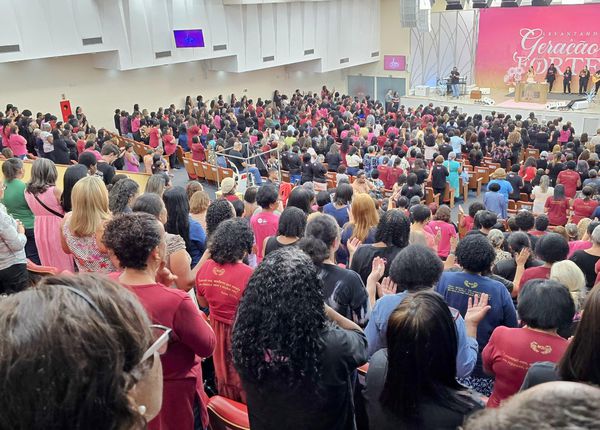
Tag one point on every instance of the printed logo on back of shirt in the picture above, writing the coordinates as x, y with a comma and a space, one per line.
540, 349
471, 284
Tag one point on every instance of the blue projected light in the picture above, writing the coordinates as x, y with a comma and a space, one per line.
189, 38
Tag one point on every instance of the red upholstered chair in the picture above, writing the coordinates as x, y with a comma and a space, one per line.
226, 414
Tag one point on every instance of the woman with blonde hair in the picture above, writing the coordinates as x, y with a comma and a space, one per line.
362, 225
43, 198
199, 202
570, 275
540, 194
82, 229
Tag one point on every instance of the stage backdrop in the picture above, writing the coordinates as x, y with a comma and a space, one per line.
513, 39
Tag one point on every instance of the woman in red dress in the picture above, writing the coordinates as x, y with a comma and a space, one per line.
137, 241
220, 283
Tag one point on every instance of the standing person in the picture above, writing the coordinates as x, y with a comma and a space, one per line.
475, 255
266, 222
343, 289
339, 208
16, 205
81, 229
441, 223
113, 361
400, 392
220, 283
454, 80
540, 194
180, 222
596, 81
570, 179
584, 78
567, 76
544, 307
557, 207
285, 351
391, 237
438, 176
551, 76
499, 177
43, 198
138, 243
13, 262
362, 225
584, 206
454, 169
586, 259
496, 202
132, 163
292, 224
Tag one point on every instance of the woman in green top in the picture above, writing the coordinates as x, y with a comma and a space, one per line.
16, 206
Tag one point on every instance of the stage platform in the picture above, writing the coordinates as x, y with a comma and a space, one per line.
585, 120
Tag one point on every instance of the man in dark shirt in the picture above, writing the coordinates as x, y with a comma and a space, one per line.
445, 148
236, 158
109, 154
551, 76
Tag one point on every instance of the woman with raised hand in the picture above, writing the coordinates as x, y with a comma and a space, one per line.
74, 343
138, 242
294, 366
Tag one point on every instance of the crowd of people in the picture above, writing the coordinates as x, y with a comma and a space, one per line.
274, 297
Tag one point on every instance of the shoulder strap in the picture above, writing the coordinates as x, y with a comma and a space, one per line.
52, 211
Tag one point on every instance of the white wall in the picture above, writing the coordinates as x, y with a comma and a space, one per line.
39, 84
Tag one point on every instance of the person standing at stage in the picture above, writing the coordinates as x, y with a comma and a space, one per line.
596, 81
584, 78
567, 76
454, 80
531, 75
551, 76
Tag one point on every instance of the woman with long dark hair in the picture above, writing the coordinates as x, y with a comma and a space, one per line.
122, 195
72, 175
412, 384
294, 366
390, 238
179, 222
557, 206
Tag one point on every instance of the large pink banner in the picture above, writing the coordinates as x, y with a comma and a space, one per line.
513, 39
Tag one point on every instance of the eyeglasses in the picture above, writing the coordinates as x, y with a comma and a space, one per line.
161, 343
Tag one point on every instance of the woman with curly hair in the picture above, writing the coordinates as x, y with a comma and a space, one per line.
475, 254
94, 342
137, 240
294, 366
390, 238
217, 212
220, 283
122, 195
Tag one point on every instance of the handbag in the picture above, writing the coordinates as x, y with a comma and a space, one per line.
52, 211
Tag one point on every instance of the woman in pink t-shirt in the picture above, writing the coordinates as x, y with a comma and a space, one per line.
17, 143
220, 283
441, 225
154, 136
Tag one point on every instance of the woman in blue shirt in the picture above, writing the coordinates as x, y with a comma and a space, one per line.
475, 255
179, 222
496, 202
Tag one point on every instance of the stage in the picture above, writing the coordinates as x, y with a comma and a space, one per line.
585, 120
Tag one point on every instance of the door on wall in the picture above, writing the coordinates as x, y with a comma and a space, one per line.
361, 86
394, 84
